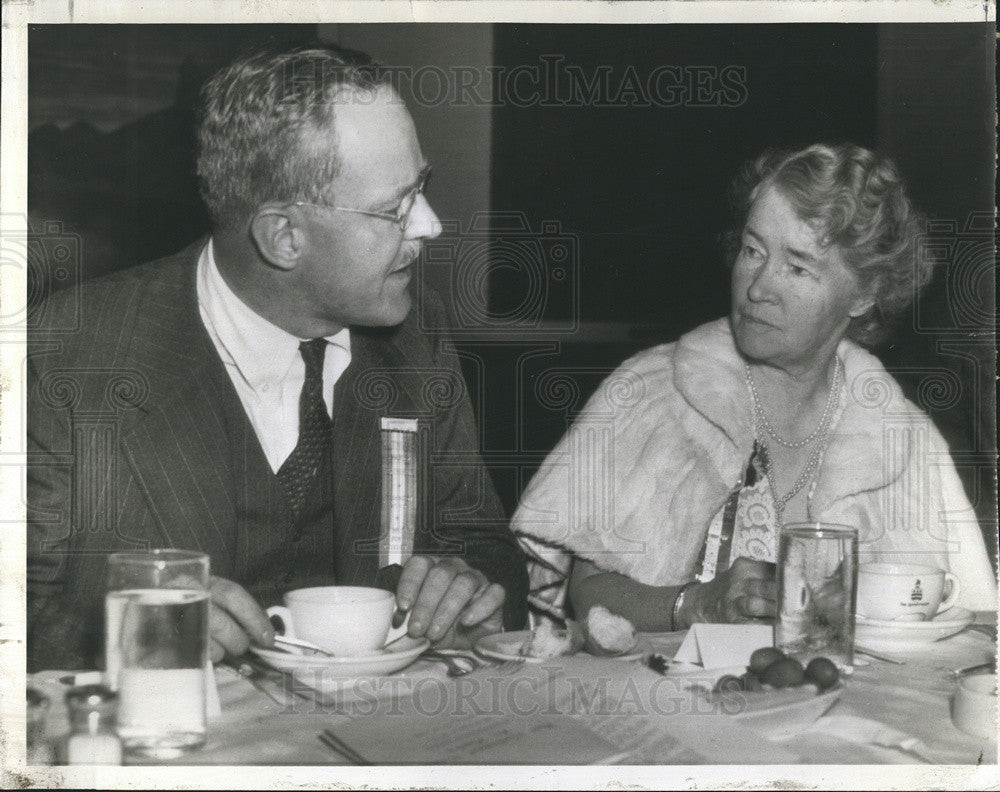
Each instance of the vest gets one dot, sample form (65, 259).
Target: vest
(335, 540)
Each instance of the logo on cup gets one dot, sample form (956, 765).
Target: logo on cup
(917, 594)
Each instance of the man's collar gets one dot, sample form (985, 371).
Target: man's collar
(260, 350)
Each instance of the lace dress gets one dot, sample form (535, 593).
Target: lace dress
(746, 526)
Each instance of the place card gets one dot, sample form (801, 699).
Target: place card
(723, 645)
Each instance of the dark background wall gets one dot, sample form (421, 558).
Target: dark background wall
(578, 230)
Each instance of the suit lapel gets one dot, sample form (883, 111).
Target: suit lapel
(177, 446)
(387, 373)
(357, 460)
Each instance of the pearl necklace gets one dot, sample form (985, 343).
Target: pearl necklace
(808, 472)
(824, 422)
(822, 431)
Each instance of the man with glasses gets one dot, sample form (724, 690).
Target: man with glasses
(246, 378)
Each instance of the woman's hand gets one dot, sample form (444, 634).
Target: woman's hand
(745, 592)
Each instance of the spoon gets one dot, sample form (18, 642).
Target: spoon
(285, 640)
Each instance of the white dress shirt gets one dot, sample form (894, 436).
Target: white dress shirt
(263, 361)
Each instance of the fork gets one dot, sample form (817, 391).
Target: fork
(456, 669)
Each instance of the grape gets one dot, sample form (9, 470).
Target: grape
(786, 672)
(823, 672)
(763, 657)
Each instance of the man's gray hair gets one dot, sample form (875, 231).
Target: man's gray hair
(255, 118)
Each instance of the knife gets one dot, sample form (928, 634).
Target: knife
(277, 685)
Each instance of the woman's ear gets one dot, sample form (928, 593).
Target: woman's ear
(862, 305)
(277, 237)
(865, 289)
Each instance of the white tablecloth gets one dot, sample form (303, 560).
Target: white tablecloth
(886, 714)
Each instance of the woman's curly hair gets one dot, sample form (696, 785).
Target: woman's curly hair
(856, 200)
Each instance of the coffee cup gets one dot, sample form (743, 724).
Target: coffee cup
(346, 621)
(974, 705)
(905, 592)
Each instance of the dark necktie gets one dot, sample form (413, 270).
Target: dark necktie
(299, 470)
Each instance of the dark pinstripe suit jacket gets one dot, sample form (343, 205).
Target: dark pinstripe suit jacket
(131, 445)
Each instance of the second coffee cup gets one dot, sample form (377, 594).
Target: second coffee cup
(905, 592)
(346, 621)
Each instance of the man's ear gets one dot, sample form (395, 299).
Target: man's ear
(277, 237)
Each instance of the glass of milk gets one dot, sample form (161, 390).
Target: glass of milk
(156, 649)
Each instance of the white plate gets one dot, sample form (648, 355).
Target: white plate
(778, 714)
(393, 658)
(878, 633)
(507, 646)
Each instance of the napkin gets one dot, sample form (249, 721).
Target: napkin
(723, 645)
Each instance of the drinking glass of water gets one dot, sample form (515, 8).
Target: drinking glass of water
(817, 572)
(156, 649)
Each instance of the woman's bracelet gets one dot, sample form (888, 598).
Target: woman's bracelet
(678, 601)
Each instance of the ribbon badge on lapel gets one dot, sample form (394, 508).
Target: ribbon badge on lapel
(402, 455)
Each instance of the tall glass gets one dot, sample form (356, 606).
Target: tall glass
(156, 649)
(817, 572)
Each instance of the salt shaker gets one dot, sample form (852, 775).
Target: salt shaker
(39, 749)
(92, 738)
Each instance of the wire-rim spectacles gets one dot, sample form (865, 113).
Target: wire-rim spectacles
(400, 217)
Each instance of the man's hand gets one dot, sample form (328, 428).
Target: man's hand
(235, 620)
(745, 592)
(449, 601)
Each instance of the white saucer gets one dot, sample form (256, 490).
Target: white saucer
(393, 658)
(507, 646)
(878, 633)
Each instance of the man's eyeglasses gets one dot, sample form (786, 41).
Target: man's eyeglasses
(401, 215)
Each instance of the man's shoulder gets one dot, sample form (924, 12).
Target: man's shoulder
(115, 299)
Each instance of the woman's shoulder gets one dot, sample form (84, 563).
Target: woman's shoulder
(655, 361)
(873, 389)
(710, 343)
(882, 433)
(637, 393)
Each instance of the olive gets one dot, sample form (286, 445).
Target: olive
(729, 684)
(763, 657)
(787, 672)
(751, 682)
(823, 672)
